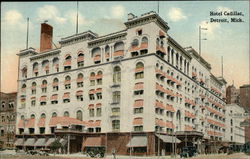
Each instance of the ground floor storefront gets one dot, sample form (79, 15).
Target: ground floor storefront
(129, 144)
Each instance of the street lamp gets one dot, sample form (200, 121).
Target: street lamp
(200, 28)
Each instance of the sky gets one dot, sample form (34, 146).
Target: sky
(230, 40)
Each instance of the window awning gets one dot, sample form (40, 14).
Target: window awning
(118, 53)
(78, 93)
(168, 139)
(63, 141)
(43, 98)
(138, 86)
(55, 84)
(98, 105)
(93, 142)
(138, 141)
(30, 123)
(80, 79)
(40, 142)
(67, 63)
(80, 58)
(41, 122)
(138, 121)
(54, 97)
(140, 69)
(138, 103)
(19, 142)
(66, 96)
(65, 121)
(29, 142)
(50, 141)
(98, 90)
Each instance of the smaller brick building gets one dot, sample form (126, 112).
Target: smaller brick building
(7, 119)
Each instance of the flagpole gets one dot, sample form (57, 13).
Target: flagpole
(27, 38)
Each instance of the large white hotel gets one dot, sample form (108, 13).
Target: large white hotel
(132, 88)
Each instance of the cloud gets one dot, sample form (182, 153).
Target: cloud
(50, 12)
(82, 21)
(13, 17)
(117, 11)
(175, 14)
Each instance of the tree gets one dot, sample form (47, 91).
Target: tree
(55, 146)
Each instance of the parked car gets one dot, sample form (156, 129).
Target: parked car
(188, 151)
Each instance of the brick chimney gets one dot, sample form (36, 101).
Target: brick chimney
(46, 37)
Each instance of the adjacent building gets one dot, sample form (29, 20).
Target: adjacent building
(245, 97)
(7, 119)
(233, 95)
(136, 91)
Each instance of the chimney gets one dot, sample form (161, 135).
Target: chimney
(46, 37)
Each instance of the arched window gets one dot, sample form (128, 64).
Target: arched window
(177, 59)
(92, 79)
(67, 82)
(172, 57)
(178, 115)
(56, 64)
(107, 52)
(118, 49)
(99, 78)
(55, 84)
(43, 115)
(144, 40)
(33, 88)
(24, 72)
(157, 42)
(44, 86)
(45, 66)
(135, 43)
(35, 69)
(117, 74)
(144, 45)
(54, 114)
(23, 87)
(79, 80)
(96, 54)
(139, 71)
(181, 62)
(79, 115)
(32, 116)
(66, 114)
(67, 62)
(80, 59)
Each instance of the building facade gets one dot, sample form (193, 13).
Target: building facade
(137, 88)
(8, 119)
(235, 134)
(233, 95)
(245, 97)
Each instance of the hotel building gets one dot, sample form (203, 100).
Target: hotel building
(137, 88)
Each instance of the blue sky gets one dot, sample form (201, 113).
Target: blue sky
(230, 40)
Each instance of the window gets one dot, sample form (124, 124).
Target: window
(138, 110)
(116, 97)
(67, 83)
(96, 55)
(55, 84)
(118, 49)
(54, 99)
(35, 69)
(54, 102)
(42, 130)
(44, 86)
(33, 102)
(66, 114)
(92, 79)
(139, 32)
(23, 88)
(23, 102)
(138, 92)
(79, 115)
(67, 63)
(116, 125)
(79, 97)
(45, 66)
(99, 112)
(91, 97)
(99, 78)
(33, 88)
(43, 103)
(117, 74)
(139, 70)
(99, 95)
(107, 52)
(24, 72)
(91, 112)
(80, 80)
(54, 114)
(66, 100)
(97, 129)
(56, 64)
(138, 128)
(80, 60)
(90, 129)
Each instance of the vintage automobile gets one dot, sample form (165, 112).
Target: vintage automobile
(188, 151)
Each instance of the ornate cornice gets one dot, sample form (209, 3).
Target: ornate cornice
(45, 54)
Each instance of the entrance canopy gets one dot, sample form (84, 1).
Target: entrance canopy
(169, 139)
(40, 142)
(29, 142)
(19, 142)
(93, 142)
(138, 141)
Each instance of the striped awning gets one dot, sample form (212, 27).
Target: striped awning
(66, 95)
(138, 103)
(19, 142)
(144, 45)
(80, 58)
(40, 142)
(29, 142)
(92, 91)
(119, 53)
(138, 86)
(41, 122)
(98, 105)
(54, 97)
(138, 141)
(43, 98)
(80, 92)
(141, 69)
(159, 104)
(93, 142)
(138, 121)
(91, 106)
(97, 58)
(169, 139)
(98, 90)
(67, 63)
(50, 141)
(30, 123)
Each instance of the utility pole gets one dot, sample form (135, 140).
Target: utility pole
(200, 28)
(27, 38)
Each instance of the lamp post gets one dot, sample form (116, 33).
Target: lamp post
(200, 28)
